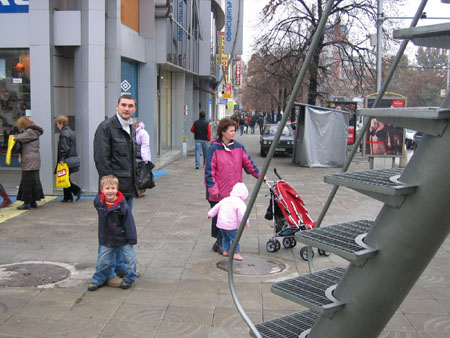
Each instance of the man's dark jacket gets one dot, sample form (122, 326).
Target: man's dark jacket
(200, 129)
(67, 146)
(115, 154)
(116, 225)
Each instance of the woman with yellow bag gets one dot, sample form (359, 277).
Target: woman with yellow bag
(30, 189)
(67, 153)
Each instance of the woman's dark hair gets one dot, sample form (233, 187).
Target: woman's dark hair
(224, 124)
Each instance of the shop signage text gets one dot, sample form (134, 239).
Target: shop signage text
(14, 6)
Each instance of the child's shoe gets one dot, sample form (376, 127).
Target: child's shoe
(93, 287)
(225, 253)
(238, 257)
(125, 285)
(114, 282)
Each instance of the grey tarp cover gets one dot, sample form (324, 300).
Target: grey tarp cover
(321, 141)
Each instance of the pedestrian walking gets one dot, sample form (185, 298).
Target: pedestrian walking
(116, 234)
(225, 160)
(30, 188)
(143, 142)
(67, 153)
(230, 212)
(202, 135)
(115, 154)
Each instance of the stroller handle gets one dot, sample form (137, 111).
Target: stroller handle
(275, 171)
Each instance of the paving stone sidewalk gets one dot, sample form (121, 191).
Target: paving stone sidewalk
(181, 292)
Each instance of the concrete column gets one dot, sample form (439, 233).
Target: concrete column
(90, 86)
(41, 73)
(113, 55)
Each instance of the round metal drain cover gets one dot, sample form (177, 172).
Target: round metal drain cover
(32, 274)
(253, 266)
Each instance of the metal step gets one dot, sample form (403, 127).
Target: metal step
(314, 291)
(437, 36)
(381, 184)
(291, 326)
(428, 120)
(345, 240)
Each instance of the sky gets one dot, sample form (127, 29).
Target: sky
(433, 9)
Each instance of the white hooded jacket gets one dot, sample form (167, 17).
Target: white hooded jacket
(230, 210)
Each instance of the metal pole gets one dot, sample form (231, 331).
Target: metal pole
(380, 20)
(298, 83)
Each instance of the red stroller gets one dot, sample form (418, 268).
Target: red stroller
(289, 215)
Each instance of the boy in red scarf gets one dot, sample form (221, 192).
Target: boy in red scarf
(116, 232)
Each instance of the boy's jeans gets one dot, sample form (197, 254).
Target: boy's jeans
(121, 267)
(104, 269)
(200, 144)
(228, 237)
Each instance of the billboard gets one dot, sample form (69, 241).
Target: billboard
(384, 139)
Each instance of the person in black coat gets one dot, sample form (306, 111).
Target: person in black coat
(115, 148)
(67, 152)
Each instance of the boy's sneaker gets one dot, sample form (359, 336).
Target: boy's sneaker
(125, 285)
(114, 282)
(93, 287)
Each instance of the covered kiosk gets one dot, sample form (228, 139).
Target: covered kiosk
(321, 137)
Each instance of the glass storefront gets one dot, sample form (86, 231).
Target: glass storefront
(14, 95)
(165, 113)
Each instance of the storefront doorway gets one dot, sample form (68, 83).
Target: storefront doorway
(129, 80)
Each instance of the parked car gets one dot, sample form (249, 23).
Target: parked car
(409, 138)
(418, 136)
(287, 139)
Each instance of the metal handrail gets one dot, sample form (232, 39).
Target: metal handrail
(299, 81)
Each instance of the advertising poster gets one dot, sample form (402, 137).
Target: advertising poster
(384, 139)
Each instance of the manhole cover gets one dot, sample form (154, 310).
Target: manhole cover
(32, 274)
(253, 266)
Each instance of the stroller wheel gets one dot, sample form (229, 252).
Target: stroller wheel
(278, 245)
(271, 245)
(304, 253)
(293, 242)
(323, 252)
(287, 242)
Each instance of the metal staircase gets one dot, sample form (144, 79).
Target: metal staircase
(386, 256)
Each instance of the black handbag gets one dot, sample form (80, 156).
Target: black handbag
(145, 178)
(72, 162)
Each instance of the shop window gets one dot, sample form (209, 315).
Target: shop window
(14, 94)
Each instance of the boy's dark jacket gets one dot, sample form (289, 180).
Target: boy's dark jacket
(115, 225)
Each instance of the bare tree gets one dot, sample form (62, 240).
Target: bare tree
(343, 61)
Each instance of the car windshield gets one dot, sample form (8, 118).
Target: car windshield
(271, 130)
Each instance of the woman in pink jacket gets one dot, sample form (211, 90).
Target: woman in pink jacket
(230, 212)
(225, 160)
(143, 140)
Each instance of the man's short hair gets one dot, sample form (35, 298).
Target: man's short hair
(202, 114)
(127, 97)
(109, 179)
(63, 119)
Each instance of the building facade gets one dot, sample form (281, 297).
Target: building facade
(76, 57)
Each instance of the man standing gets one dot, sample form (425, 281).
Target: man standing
(202, 135)
(115, 148)
(115, 154)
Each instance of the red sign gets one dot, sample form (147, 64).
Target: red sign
(237, 75)
(398, 103)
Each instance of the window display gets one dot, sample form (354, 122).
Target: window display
(14, 94)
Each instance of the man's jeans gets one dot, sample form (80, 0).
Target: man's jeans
(104, 270)
(228, 237)
(200, 144)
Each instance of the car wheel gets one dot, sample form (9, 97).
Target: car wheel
(263, 152)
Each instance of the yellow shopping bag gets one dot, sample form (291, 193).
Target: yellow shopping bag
(11, 143)
(62, 176)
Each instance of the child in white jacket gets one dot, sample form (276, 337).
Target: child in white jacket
(230, 212)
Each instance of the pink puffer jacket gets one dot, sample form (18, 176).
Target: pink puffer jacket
(230, 210)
